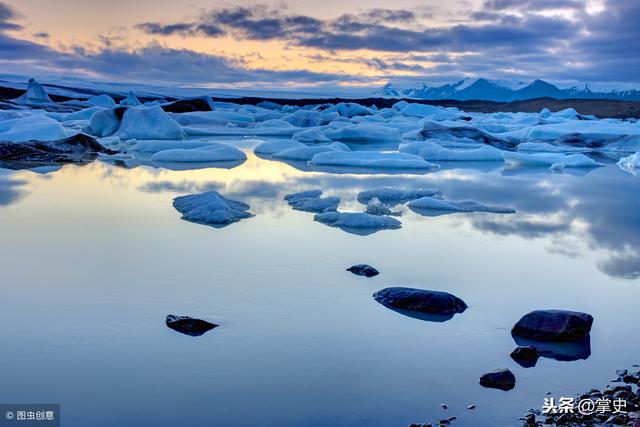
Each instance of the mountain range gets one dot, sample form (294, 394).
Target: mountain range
(488, 90)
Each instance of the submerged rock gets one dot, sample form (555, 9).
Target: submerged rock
(502, 379)
(363, 270)
(525, 356)
(188, 325)
(211, 208)
(554, 325)
(421, 300)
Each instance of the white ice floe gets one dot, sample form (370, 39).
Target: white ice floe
(552, 160)
(131, 100)
(210, 153)
(104, 123)
(211, 208)
(37, 127)
(214, 118)
(544, 147)
(348, 109)
(306, 118)
(306, 153)
(630, 164)
(364, 133)
(557, 130)
(371, 159)
(270, 147)
(157, 145)
(34, 95)
(376, 207)
(311, 135)
(357, 221)
(433, 204)
(148, 123)
(393, 196)
(431, 151)
(311, 201)
(103, 100)
(430, 111)
(275, 123)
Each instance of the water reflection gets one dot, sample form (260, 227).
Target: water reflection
(561, 351)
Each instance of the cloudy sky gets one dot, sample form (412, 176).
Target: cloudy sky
(307, 43)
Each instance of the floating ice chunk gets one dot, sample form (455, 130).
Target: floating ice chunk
(131, 100)
(310, 201)
(393, 196)
(157, 145)
(210, 153)
(549, 160)
(269, 105)
(37, 127)
(544, 147)
(211, 208)
(630, 164)
(357, 222)
(306, 118)
(400, 105)
(34, 95)
(148, 123)
(306, 153)
(435, 130)
(104, 123)
(274, 123)
(103, 100)
(376, 207)
(432, 151)
(214, 118)
(364, 133)
(424, 110)
(311, 135)
(557, 130)
(271, 147)
(371, 159)
(433, 204)
(348, 109)
(545, 113)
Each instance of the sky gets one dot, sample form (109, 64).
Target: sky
(328, 43)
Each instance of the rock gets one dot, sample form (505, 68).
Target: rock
(502, 379)
(443, 406)
(363, 270)
(188, 325)
(472, 406)
(525, 356)
(420, 300)
(554, 325)
(189, 105)
(74, 149)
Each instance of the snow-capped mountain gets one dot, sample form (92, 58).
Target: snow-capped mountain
(492, 90)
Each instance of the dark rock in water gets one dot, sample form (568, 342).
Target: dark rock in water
(420, 300)
(553, 325)
(189, 326)
(525, 356)
(79, 148)
(363, 270)
(564, 351)
(188, 105)
(502, 379)
(435, 130)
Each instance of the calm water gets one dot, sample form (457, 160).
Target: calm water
(93, 258)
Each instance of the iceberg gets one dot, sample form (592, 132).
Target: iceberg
(34, 95)
(348, 109)
(545, 147)
(271, 147)
(425, 110)
(211, 153)
(432, 151)
(104, 123)
(310, 201)
(148, 123)
(358, 222)
(214, 118)
(156, 145)
(131, 100)
(630, 164)
(550, 160)
(394, 196)
(364, 133)
(306, 118)
(311, 135)
(376, 207)
(211, 208)
(103, 100)
(371, 159)
(439, 205)
(37, 127)
(307, 153)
